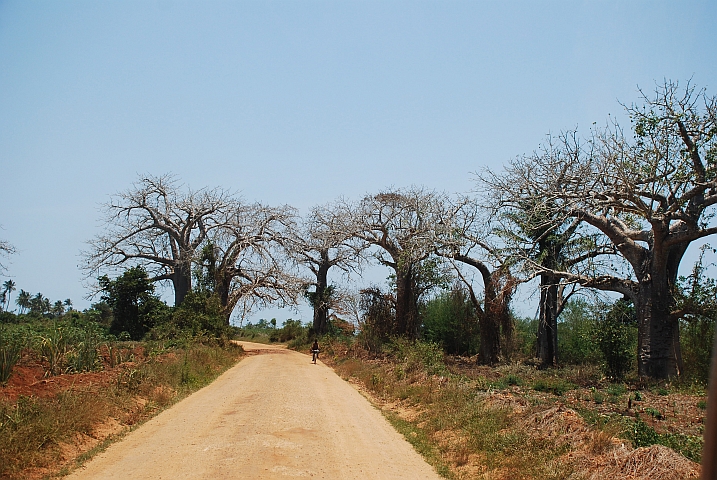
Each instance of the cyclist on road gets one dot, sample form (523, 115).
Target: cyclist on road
(315, 351)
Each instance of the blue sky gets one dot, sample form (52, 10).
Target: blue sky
(300, 102)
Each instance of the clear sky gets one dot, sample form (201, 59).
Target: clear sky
(298, 103)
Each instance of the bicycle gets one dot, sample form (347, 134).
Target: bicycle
(314, 355)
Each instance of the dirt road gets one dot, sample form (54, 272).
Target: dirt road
(274, 415)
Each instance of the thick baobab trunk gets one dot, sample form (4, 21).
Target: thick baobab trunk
(406, 307)
(182, 282)
(489, 348)
(320, 301)
(547, 344)
(658, 349)
(658, 333)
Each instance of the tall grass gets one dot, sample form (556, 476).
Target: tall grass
(11, 346)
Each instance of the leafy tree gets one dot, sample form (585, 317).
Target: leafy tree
(8, 288)
(39, 305)
(615, 337)
(134, 305)
(23, 300)
(450, 320)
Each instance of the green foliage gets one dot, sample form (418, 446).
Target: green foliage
(135, 308)
(417, 356)
(576, 334)
(291, 330)
(449, 320)
(11, 345)
(200, 314)
(643, 435)
(524, 336)
(616, 337)
(697, 297)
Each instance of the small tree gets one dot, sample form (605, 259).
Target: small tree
(131, 297)
(450, 320)
(616, 338)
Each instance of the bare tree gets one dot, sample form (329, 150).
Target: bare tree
(464, 235)
(651, 194)
(320, 246)
(533, 231)
(249, 258)
(399, 222)
(6, 249)
(159, 224)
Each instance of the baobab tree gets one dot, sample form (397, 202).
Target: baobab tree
(464, 235)
(320, 245)
(247, 258)
(651, 194)
(159, 224)
(532, 232)
(400, 223)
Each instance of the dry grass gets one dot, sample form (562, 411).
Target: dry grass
(511, 422)
(40, 436)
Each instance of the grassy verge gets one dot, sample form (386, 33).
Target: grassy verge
(35, 433)
(509, 422)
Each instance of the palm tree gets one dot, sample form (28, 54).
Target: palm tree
(23, 300)
(9, 286)
(58, 308)
(68, 305)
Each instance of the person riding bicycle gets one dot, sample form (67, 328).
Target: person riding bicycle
(315, 351)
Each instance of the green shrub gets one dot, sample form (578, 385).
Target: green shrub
(418, 356)
(556, 386)
(616, 337)
(291, 330)
(576, 327)
(449, 320)
(11, 345)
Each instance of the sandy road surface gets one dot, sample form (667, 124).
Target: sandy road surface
(274, 415)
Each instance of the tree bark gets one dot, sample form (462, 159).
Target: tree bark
(321, 304)
(547, 344)
(182, 282)
(406, 307)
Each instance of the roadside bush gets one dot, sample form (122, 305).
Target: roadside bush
(616, 337)
(696, 337)
(378, 319)
(291, 330)
(449, 320)
(576, 334)
(200, 314)
(418, 355)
